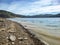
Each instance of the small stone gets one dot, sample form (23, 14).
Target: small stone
(21, 38)
(25, 38)
(12, 38)
(12, 31)
(7, 37)
(12, 42)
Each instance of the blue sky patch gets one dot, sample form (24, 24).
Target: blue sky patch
(31, 7)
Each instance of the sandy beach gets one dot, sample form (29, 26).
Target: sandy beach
(42, 34)
(13, 33)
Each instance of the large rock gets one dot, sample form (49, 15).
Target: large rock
(12, 38)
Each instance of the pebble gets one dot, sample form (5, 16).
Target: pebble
(12, 31)
(12, 42)
(20, 38)
(25, 38)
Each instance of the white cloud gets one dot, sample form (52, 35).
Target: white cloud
(37, 7)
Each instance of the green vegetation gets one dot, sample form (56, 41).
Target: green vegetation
(7, 14)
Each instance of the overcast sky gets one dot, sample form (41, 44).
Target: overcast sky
(31, 7)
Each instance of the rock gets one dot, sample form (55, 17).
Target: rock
(25, 38)
(21, 38)
(12, 42)
(7, 37)
(12, 37)
(12, 31)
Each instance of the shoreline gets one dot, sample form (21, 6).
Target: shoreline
(15, 33)
(40, 34)
(32, 35)
(24, 26)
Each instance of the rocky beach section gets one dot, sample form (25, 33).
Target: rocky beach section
(13, 33)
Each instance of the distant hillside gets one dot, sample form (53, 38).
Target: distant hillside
(7, 14)
(45, 16)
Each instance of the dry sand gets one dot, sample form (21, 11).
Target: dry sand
(42, 34)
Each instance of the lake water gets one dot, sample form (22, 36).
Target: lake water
(52, 24)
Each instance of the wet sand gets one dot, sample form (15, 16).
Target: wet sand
(42, 34)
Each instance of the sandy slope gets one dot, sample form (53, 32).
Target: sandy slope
(42, 34)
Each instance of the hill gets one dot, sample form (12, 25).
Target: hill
(44, 16)
(7, 14)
